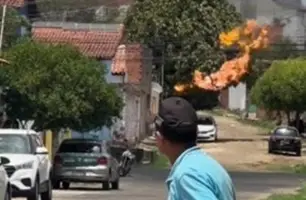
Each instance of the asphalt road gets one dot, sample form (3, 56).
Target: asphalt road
(145, 184)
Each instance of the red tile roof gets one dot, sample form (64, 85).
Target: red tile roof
(129, 60)
(13, 3)
(94, 43)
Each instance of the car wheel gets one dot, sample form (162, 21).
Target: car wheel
(105, 185)
(34, 194)
(298, 152)
(115, 185)
(8, 195)
(47, 195)
(56, 184)
(270, 150)
(66, 185)
(216, 138)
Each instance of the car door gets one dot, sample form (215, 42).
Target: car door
(113, 163)
(43, 160)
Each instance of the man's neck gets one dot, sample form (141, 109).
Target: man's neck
(177, 151)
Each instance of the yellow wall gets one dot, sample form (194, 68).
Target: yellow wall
(48, 142)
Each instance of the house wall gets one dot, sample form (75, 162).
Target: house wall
(132, 119)
(155, 97)
(237, 97)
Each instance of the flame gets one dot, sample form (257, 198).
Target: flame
(247, 38)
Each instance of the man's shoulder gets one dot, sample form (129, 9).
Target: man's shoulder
(200, 164)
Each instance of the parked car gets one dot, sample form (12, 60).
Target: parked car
(85, 160)
(29, 167)
(207, 129)
(5, 187)
(285, 138)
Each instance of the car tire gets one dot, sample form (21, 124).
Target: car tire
(105, 185)
(47, 195)
(56, 185)
(8, 194)
(115, 185)
(270, 150)
(298, 152)
(66, 185)
(34, 194)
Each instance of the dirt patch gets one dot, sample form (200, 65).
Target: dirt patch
(244, 147)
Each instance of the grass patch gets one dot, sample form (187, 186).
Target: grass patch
(265, 124)
(297, 168)
(300, 195)
(160, 161)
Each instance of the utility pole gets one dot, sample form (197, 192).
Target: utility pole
(163, 71)
(2, 26)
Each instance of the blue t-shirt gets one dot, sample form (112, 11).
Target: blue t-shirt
(197, 176)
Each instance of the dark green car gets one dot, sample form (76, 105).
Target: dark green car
(85, 161)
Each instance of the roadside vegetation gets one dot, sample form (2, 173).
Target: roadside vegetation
(282, 88)
(63, 90)
(160, 161)
(265, 124)
(290, 168)
(299, 195)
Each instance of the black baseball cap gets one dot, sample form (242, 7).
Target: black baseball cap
(177, 120)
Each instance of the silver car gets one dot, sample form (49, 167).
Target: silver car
(85, 161)
(5, 188)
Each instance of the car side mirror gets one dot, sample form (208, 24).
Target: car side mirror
(4, 161)
(41, 151)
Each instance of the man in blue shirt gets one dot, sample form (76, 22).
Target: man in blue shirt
(194, 174)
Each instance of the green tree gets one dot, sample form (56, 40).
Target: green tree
(182, 34)
(262, 60)
(57, 86)
(282, 87)
(13, 22)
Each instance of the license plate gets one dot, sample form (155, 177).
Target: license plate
(78, 174)
(284, 142)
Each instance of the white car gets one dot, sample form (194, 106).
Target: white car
(29, 167)
(207, 129)
(5, 188)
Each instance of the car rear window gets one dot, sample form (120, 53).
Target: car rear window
(206, 121)
(286, 132)
(80, 147)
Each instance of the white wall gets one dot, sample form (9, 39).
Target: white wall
(237, 97)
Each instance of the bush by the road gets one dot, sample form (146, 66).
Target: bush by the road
(282, 87)
(300, 195)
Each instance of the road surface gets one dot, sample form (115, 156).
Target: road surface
(148, 185)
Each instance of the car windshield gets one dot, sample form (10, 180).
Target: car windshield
(286, 132)
(14, 143)
(80, 147)
(206, 121)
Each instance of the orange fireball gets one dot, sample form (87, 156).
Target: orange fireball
(248, 38)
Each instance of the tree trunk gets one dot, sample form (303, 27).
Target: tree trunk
(278, 117)
(297, 119)
(288, 117)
